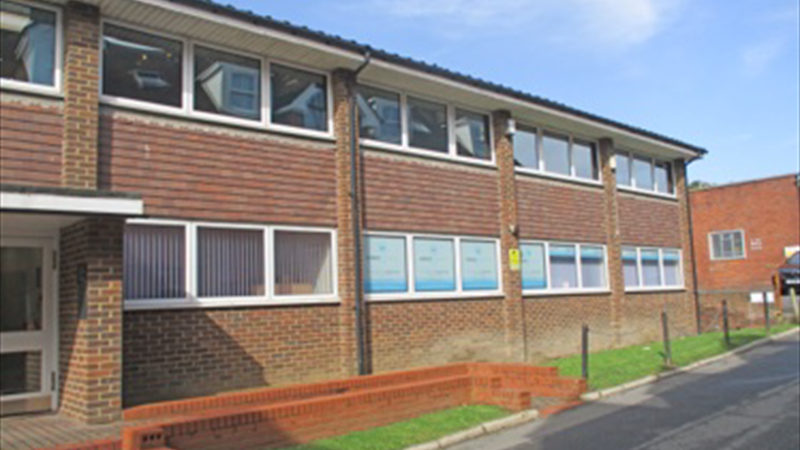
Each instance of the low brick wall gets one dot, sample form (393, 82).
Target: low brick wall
(741, 312)
(280, 417)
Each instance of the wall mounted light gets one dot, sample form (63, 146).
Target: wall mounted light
(511, 127)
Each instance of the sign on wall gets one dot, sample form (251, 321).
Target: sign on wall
(533, 267)
(478, 266)
(385, 268)
(434, 265)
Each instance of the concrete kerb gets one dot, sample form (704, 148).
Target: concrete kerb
(597, 395)
(486, 428)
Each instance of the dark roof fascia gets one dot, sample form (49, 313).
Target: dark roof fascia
(356, 47)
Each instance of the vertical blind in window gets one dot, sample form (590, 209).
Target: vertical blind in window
(630, 267)
(230, 262)
(154, 266)
(593, 267)
(727, 245)
(651, 270)
(672, 265)
(303, 263)
(563, 267)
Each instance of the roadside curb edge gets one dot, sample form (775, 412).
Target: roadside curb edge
(597, 395)
(480, 430)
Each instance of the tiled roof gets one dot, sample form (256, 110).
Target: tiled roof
(354, 46)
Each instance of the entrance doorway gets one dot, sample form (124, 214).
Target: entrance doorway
(27, 326)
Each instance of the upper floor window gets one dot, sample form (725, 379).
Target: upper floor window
(28, 44)
(556, 154)
(227, 84)
(141, 66)
(644, 173)
(379, 115)
(415, 123)
(727, 244)
(299, 98)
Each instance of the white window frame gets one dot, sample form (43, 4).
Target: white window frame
(663, 287)
(571, 137)
(452, 148)
(192, 300)
(58, 63)
(721, 234)
(187, 110)
(653, 161)
(549, 290)
(459, 292)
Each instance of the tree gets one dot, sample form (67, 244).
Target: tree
(697, 185)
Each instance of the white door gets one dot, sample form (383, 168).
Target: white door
(27, 326)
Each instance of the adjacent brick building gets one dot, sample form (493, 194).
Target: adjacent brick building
(743, 232)
(195, 210)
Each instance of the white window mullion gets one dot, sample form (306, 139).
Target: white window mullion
(457, 253)
(410, 263)
(188, 76)
(570, 159)
(269, 262)
(579, 265)
(191, 262)
(404, 119)
(547, 264)
(540, 150)
(661, 266)
(451, 131)
(265, 91)
(639, 266)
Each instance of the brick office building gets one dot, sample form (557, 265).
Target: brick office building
(743, 232)
(182, 215)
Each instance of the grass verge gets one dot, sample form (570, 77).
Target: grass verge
(411, 432)
(615, 367)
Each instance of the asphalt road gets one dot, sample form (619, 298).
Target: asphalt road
(750, 401)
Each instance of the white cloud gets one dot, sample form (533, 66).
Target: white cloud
(583, 23)
(757, 58)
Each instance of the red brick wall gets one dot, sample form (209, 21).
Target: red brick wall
(173, 354)
(767, 210)
(427, 333)
(555, 210)
(417, 195)
(641, 316)
(649, 221)
(185, 170)
(30, 142)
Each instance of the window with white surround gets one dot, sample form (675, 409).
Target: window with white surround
(30, 46)
(727, 244)
(227, 84)
(642, 173)
(298, 98)
(406, 266)
(396, 120)
(174, 264)
(543, 152)
(149, 70)
(555, 267)
(142, 67)
(652, 268)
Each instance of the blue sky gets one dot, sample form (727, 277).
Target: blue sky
(717, 73)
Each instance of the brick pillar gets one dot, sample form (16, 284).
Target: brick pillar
(90, 344)
(686, 243)
(81, 93)
(343, 83)
(614, 243)
(513, 310)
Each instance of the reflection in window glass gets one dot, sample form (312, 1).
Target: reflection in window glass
(472, 135)
(21, 289)
(651, 271)
(525, 151)
(434, 265)
(727, 245)
(142, 66)
(663, 178)
(534, 275)
(427, 125)
(593, 267)
(478, 266)
(154, 266)
(227, 84)
(623, 169)
(672, 264)
(299, 98)
(303, 263)
(27, 43)
(555, 154)
(230, 262)
(630, 267)
(385, 265)
(563, 267)
(22, 373)
(379, 115)
(584, 160)
(642, 173)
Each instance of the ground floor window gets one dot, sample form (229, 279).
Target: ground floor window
(176, 263)
(398, 266)
(563, 267)
(652, 268)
